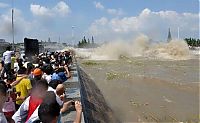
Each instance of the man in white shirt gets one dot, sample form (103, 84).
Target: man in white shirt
(7, 61)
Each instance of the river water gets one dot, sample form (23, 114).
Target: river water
(146, 82)
(140, 89)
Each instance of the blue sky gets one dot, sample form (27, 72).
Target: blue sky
(107, 20)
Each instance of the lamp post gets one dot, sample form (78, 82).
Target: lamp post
(178, 34)
(13, 35)
(73, 35)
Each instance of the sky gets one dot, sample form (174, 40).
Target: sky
(106, 20)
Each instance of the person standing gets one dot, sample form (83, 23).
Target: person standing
(3, 97)
(1, 70)
(13, 59)
(23, 88)
(7, 61)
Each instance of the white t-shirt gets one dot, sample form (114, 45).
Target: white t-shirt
(47, 77)
(21, 114)
(7, 56)
(16, 67)
(2, 118)
(59, 101)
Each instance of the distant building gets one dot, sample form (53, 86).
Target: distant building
(51, 46)
(169, 38)
(3, 45)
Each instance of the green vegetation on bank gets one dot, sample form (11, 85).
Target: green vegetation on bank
(90, 63)
(192, 42)
(87, 43)
(116, 75)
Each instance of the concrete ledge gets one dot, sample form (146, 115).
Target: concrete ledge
(74, 73)
(73, 93)
(73, 68)
(70, 116)
(72, 82)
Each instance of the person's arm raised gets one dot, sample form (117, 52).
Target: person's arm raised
(78, 107)
(66, 106)
(17, 81)
(67, 70)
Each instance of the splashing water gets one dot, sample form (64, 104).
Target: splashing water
(139, 47)
(174, 50)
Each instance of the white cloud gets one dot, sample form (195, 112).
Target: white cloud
(153, 24)
(3, 5)
(110, 11)
(98, 5)
(115, 11)
(40, 10)
(61, 9)
(44, 20)
(21, 26)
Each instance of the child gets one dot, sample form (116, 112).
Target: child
(3, 97)
(9, 107)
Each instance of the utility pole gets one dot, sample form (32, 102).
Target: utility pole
(73, 35)
(169, 37)
(178, 33)
(13, 35)
(59, 40)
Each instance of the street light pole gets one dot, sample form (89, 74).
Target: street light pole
(73, 35)
(178, 34)
(13, 35)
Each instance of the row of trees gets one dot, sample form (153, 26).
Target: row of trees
(193, 42)
(87, 43)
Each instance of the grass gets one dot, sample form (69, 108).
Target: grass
(90, 63)
(114, 75)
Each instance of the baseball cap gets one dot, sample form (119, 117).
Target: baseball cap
(37, 72)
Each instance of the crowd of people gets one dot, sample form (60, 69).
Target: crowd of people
(33, 92)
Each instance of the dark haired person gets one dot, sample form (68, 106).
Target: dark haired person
(23, 88)
(3, 97)
(9, 105)
(1, 70)
(54, 83)
(48, 71)
(37, 75)
(7, 60)
(28, 111)
(13, 59)
(30, 69)
(49, 110)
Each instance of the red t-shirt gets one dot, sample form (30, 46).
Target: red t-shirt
(34, 102)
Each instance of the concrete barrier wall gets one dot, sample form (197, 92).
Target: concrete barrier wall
(95, 108)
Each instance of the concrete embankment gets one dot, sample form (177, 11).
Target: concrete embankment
(95, 107)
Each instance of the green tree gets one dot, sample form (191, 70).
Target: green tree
(192, 42)
(84, 40)
(92, 40)
(88, 41)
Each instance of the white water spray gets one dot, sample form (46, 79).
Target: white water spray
(139, 47)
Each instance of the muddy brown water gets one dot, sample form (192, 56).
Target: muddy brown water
(140, 89)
